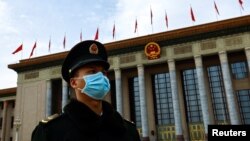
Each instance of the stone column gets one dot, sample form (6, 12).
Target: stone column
(175, 97)
(118, 89)
(202, 92)
(49, 98)
(143, 103)
(232, 106)
(247, 52)
(5, 106)
(64, 93)
(17, 124)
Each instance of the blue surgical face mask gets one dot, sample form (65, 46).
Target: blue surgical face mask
(96, 86)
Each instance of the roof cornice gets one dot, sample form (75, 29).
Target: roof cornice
(8, 91)
(137, 43)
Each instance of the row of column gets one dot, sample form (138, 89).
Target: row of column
(234, 118)
(143, 106)
(143, 102)
(232, 107)
(4, 119)
(49, 96)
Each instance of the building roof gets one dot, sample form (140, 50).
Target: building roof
(8, 91)
(193, 33)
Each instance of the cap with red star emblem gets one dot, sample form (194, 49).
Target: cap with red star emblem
(85, 52)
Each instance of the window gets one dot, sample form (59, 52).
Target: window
(1, 124)
(13, 103)
(163, 99)
(192, 98)
(244, 103)
(218, 94)
(113, 93)
(56, 96)
(239, 70)
(134, 98)
(1, 104)
(12, 122)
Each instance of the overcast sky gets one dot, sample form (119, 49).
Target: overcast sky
(29, 21)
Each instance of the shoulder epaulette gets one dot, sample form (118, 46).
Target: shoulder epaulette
(50, 118)
(129, 121)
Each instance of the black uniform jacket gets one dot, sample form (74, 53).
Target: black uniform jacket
(79, 123)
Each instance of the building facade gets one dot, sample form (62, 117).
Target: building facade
(172, 85)
(7, 109)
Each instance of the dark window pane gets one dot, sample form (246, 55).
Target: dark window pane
(244, 102)
(135, 101)
(239, 70)
(163, 99)
(218, 94)
(192, 97)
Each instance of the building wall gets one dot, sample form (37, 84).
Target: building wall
(7, 118)
(31, 98)
(183, 55)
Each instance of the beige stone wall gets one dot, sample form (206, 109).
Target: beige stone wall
(8, 130)
(31, 98)
(184, 54)
(31, 91)
(184, 51)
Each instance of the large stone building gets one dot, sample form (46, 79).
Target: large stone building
(171, 84)
(7, 106)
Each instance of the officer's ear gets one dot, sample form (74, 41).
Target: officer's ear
(73, 83)
(72, 79)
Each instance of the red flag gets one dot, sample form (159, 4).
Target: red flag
(81, 36)
(31, 54)
(18, 49)
(192, 14)
(216, 9)
(241, 4)
(97, 34)
(114, 31)
(151, 16)
(49, 44)
(64, 41)
(135, 25)
(166, 19)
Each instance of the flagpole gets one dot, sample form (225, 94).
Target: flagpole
(137, 30)
(64, 41)
(152, 29)
(216, 10)
(151, 16)
(191, 12)
(240, 10)
(166, 19)
(50, 44)
(241, 6)
(22, 51)
(136, 27)
(81, 35)
(36, 47)
(216, 16)
(114, 35)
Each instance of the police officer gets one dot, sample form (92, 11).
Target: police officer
(87, 117)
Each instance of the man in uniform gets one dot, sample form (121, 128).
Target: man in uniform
(87, 117)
